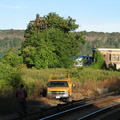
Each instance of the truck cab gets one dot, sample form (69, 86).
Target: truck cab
(59, 87)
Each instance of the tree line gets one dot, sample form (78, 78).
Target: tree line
(53, 47)
(101, 39)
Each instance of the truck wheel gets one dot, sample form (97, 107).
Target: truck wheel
(69, 99)
(63, 99)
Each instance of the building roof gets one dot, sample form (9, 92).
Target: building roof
(106, 49)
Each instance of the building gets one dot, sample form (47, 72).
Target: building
(111, 56)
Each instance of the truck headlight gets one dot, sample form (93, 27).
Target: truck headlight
(66, 92)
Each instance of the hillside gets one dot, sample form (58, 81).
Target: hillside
(11, 34)
(100, 39)
(13, 39)
(92, 36)
(10, 39)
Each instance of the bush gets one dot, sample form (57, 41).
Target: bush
(99, 62)
(9, 77)
(15, 80)
(11, 58)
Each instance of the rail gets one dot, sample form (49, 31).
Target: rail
(92, 115)
(87, 117)
(62, 107)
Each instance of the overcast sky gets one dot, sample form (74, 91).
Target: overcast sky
(91, 15)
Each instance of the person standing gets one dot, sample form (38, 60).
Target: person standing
(21, 94)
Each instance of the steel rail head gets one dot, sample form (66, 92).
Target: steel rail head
(78, 107)
(91, 115)
(72, 103)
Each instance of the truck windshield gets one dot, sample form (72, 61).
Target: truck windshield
(58, 84)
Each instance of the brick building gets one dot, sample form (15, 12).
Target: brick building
(111, 55)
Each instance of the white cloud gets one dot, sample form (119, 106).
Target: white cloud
(12, 7)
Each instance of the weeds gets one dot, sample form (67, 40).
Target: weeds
(87, 81)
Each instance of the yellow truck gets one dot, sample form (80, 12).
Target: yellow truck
(59, 87)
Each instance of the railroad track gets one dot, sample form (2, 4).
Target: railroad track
(87, 111)
(75, 110)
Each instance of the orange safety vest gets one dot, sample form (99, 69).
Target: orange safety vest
(21, 93)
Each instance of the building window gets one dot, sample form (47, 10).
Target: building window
(109, 57)
(117, 57)
(114, 57)
(104, 55)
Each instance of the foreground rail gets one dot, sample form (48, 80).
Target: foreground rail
(76, 112)
(60, 108)
(101, 111)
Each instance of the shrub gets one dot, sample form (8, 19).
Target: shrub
(99, 62)
(15, 79)
(11, 58)
(9, 76)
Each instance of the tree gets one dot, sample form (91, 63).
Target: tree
(52, 47)
(99, 61)
(9, 77)
(11, 58)
(55, 21)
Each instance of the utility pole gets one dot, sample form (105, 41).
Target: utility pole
(40, 24)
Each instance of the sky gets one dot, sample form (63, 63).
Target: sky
(91, 15)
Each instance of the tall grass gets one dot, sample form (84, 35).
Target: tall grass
(87, 81)
(83, 77)
(34, 79)
(41, 76)
(89, 74)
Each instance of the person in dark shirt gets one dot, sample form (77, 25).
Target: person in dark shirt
(21, 94)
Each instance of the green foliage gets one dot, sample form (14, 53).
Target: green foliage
(15, 79)
(55, 21)
(8, 43)
(31, 88)
(33, 79)
(5, 70)
(11, 58)
(76, 73)
(93, 75)
(99, 61)
(9, 77)
(28, 55)
(53, 47)
(80, 74)
(14, 38)
(100, 39)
